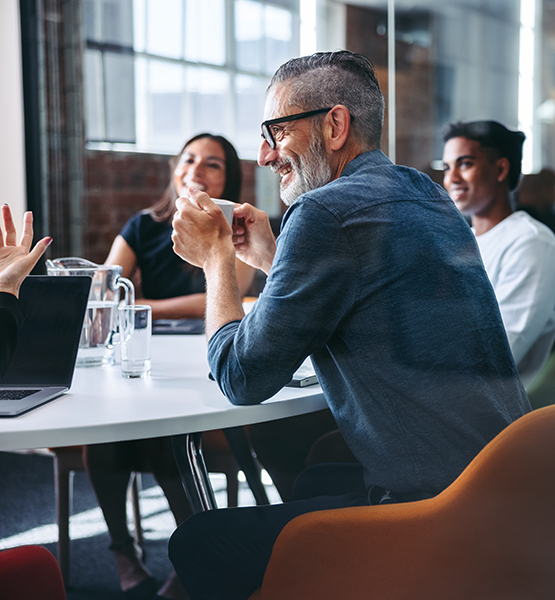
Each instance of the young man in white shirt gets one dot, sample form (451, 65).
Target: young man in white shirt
(482, 163)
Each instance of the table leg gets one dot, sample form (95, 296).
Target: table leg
(187, 450)
(242, 451)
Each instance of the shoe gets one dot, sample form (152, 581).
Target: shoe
(143, 591)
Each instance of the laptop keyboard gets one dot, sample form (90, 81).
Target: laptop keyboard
(16, 394)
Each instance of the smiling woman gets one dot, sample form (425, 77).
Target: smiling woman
(173, 288)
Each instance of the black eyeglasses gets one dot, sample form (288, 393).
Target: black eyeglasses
(267, 132)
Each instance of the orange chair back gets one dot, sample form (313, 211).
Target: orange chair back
(490, 535)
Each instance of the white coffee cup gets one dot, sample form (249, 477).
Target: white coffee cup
(226, 205)
(227, 208)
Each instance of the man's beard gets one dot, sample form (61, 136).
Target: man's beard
(311, 171)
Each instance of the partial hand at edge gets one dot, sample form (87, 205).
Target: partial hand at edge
(253, 238)
(17, 260)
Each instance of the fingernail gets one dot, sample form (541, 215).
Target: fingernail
(49, 241)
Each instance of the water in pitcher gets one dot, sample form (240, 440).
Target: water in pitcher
(96, 345)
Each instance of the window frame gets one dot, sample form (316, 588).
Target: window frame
(260, 78)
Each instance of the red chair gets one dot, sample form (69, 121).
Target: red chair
(30, 573)
(489, 536)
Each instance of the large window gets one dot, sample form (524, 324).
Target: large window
(159, 71)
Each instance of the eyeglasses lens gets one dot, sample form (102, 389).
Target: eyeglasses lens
(267, 135)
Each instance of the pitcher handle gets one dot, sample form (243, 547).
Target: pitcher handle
(128, 288)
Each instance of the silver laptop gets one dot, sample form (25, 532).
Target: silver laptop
(43, 364)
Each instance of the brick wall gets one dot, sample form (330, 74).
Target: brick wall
(414, 84)
(118, 184)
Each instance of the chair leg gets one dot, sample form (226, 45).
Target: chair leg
(243, 453)
(192, 469)
(63, 479)
(66, 462)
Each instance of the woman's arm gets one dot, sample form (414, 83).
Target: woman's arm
(122, 254)
(16, 262)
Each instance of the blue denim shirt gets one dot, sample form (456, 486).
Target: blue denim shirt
(378, 277)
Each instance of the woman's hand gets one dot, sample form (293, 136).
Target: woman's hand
(16, 260)
(253, 238)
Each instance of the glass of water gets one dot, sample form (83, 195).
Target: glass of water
(135, 332)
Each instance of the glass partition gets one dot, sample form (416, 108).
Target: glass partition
(454, 60)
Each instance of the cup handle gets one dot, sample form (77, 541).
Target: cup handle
(128, 288)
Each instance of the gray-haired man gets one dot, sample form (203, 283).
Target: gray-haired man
(377, 277)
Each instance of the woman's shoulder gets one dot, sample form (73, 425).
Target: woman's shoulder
(142, 228)
(143, 223)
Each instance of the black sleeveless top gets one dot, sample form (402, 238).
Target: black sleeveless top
(164, 274)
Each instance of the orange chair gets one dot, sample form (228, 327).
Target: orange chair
(488, 536)
(30, 573)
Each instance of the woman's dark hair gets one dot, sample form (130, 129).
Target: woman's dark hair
(163, 209)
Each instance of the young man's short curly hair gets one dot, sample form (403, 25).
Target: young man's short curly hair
(491, 134)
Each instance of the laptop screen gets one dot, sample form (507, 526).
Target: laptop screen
(48, 340)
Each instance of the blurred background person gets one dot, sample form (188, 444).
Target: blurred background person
(175, 290)
(482, 165)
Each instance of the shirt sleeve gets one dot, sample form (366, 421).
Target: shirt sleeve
(311, 285)
(11, 318)
(131, 232)
(525, 291)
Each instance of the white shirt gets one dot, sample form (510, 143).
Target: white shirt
(519, 256)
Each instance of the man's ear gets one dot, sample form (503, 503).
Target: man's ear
(337, 126)
(503, 167)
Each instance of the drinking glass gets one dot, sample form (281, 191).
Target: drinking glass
(135, 332)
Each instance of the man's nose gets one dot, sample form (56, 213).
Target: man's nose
(266, 156)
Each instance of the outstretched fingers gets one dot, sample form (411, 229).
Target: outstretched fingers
(27, 235)
(9, 227)
(39, 249)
